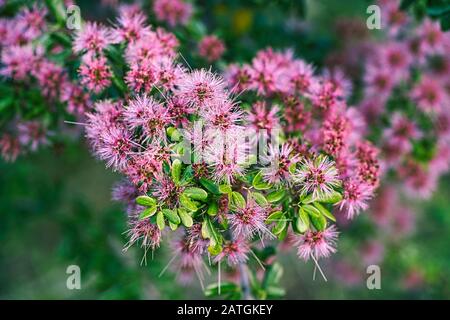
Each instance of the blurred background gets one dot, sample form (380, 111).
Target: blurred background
(56, 208)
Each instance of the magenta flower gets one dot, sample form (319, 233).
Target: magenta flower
(32, 134)
(301, 76)
(296, 116)
(130, 27)
(234, 252)
(144, 231)
(78, 101)
(279, 162)
(317, 244)
(335, 134)
(9, 147)
(202, 88)
(115, 147)
(12, 60)
(355, 197)
(317, 176)
(263, 118)
(146, 113)
(141, 77)
(174, 12)
(211, 48)
(95, 73)
(249, 221)
(167, 192)
(433, 38)
(429, 94)
(93, 38)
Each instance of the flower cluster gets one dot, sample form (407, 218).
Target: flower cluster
(24, 62)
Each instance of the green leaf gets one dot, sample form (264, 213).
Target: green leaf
(160, 220)
(147, 213)
(324, 211)
(186, 219)
(210, 232)
(173, 226)
(187, 176)
(171, 215)
(260, 199)
(210, 186)
(332, 198)
(213, 208)
(275, 216)
(279, 226)
(275, 292)
(258, 182)
(312, 211)
(238, 199)
(225, 189)
(276, 195)
(188, 203)
(173, 134)
(196, 193)
(225, 288)
(301, 222)
(176, 170)
(146, 201)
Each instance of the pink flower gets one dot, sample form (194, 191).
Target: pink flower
(396, 57)
(9, 147)
(335, 132)
(32, 134)
(355, 197)
(433, 37)
(429, 94)
(142, 170)
(130, 28)
(52, 79)
(115, 147)
(249, 221)
(279, 162)
(195, 239)
(267, 77)
(235, 252)
(77, 100)
(146, 232)
(368, 168)
(379, 82)
(146, 113)
(12, 59)
(211, 48)
(301, 76)
(222, 115)
(34, 20)
(238, 78)
(202, 88)
(317, 176)
(326, 96)
(95, 73)
(174, 12)
(167, 192)
(93, 38)
(179, 110)
(141, 77)
(295, 114)
(317, 244)
(263, 118)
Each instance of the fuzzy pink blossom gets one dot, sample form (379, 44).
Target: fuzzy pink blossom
(77, 100)
(9, 147)
(130, 28)
(355, 197)
(238, 78)
(52, 79)
(249, 221)
(12, 59)
(279, 162)
(434, 39)
(317, 244)
(262, 117)
(211, 48)
(301, 76)
(32, 134)
(429, 94)
(93, 37)
(174, 12)
(295, 114)
(202, 88)
(115, 147)
(141, 77)
(146, 232)
(146, 113)
(234, 252)
(318, 176)
(95, 73)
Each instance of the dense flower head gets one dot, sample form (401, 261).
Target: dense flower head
(317, 244)
(173, 12)
(95, 73)
(211, 48)
(249, 221)
(92, 38)
(355, 198)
